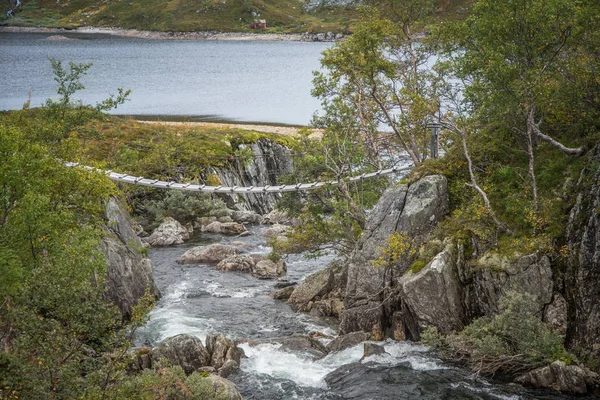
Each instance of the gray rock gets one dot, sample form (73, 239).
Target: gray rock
(433, 297)
(496, 275)
(225, 228)
(223, 389)
(277, 217)
(128, 273)
(210, 370)
(168, 233)
(267, 269)
(296, 343)
(240, 262)
(344, 342)
(583, 265)
(555, 313)
(371, 349)
(183, 350)
(283, 294)
(314, 285)
(281, 285)
(228, 368)
(246, 217)
(213, 253)
(275, 231)
(235, 353)
(563, 378)
(219, 347)
(271, 160)
(413, 210)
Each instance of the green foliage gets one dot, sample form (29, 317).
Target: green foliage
(169, 383)
(184, 207)
(514, 341)
(60, 337)
(399, 246)
(332, 215)
(67, 113)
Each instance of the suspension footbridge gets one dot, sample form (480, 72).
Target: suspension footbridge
(137, 180)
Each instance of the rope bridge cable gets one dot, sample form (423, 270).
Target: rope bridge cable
(125, 178)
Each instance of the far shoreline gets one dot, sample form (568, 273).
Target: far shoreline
(199, 35)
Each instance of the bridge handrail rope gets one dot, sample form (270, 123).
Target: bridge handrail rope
(135, 180)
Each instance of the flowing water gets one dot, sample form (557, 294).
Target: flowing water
(200, 300)
(223, 80)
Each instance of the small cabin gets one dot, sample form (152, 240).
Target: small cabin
(262, 24)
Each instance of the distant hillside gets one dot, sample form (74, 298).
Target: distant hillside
(282, 16)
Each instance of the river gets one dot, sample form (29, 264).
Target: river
(252, 82)
(208, 80)
(200, 300)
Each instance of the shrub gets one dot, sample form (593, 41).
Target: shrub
(185, 207)
(512, 342)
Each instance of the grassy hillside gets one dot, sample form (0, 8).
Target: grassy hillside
(197, 15)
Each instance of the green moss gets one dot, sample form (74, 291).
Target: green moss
(417, 266)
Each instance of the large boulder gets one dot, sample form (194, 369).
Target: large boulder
(212, 253)
(267, 269)
(225, 228)
(498, 274)
(246, 217)
(168, 233)
(432, 297)
(582, 274)
(239, 262)
(414, 210)
(129, 272)
(183, 350)
(344, 342)
(311, 287)
(563, 378)
(275, 231)
(223, 389)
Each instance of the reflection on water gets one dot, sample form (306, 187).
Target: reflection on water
(226, 80)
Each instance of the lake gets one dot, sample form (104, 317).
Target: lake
(211, 80)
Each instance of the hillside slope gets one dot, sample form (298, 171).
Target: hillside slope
(282, 16)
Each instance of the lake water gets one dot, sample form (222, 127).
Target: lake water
(224, 80)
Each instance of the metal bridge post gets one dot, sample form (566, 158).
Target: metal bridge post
(434, 141)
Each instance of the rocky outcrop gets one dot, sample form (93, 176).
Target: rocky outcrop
(270, 161)
(220, 355)
(225, 228)
(129, 272)
(170, 232)
(432, 297)
(555, 313)
(563, 378)
(312, 288)
(183, 350)
(411, 209)
(213, 253)
(582, 275)
(498, 274)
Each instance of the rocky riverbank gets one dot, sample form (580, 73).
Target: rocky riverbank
(201, 35)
